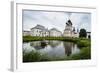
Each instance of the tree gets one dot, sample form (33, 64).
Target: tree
(82, 33)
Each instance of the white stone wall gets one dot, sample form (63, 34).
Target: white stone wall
(38, 32)
(67, 34)
(35, 32)
(26, 33)
(88, 35)
(55, 33)
(68, 31)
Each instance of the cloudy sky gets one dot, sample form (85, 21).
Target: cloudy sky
(56, 19)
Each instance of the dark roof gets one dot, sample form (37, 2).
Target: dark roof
(69, 22)
(38, 27)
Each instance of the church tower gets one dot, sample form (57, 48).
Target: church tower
(68, 29)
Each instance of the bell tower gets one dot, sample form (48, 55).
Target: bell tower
(68, 29)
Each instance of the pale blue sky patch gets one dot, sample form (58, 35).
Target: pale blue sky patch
(55, 19)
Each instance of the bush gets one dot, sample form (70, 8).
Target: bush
(34, 57)
(82, 33)
(85, 53)
(31, 56)
(83, 43)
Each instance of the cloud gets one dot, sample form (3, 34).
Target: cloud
(55, 19)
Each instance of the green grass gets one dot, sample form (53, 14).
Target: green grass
(30, 38)
(85, 53)
(34, 57)
(83, 43)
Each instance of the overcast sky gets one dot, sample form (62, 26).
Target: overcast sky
(56, 19)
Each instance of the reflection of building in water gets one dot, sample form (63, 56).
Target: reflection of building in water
(54, 43)
(68, 48)
(37, 45)
(75, 49)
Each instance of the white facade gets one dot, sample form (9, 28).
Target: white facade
(75, 35)
(39, 31)
(88, 34)
(68, 29)
(26, 33)
(55, 33)
(35, 32)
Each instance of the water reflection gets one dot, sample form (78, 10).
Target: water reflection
(53, 48)
(36, 45)
(68, 47)
(54, 44)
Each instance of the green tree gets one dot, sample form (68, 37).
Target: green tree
(82, 33)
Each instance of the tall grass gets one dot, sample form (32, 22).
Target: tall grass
(31, 38)
(83, 43)
(85, 53)
(34, 56)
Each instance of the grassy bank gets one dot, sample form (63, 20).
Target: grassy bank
(85, 53)
(30, 38)
(81, 42)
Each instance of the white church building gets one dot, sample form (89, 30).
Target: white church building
(70, 30)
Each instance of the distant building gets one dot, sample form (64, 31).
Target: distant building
(55, 33)
(26, 33)
(75, 33)
(39, 30)
(68, 29)
(88, 35)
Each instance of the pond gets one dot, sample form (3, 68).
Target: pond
(52, 48)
